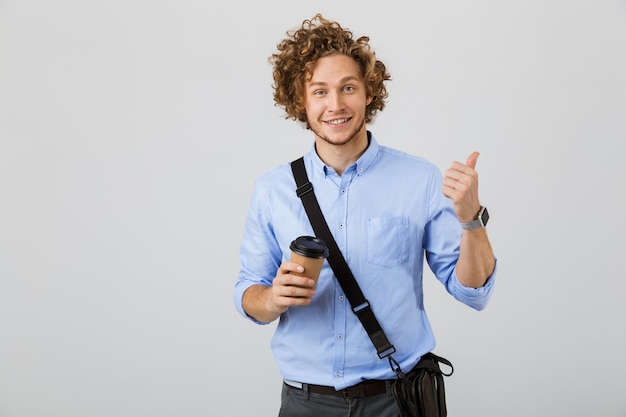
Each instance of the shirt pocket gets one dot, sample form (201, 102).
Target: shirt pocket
(387, 241)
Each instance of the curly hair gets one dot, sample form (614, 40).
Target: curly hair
(298, 53)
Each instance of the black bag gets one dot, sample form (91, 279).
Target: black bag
(421, 392)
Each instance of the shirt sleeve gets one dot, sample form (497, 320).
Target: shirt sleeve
(476, 298)
(260, 254)
(442, 246)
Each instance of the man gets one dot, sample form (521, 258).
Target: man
(388, 212)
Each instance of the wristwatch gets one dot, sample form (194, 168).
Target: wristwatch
(481, 221)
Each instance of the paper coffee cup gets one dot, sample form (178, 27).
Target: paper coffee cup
(309, 252)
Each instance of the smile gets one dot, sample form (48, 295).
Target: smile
(337, 122)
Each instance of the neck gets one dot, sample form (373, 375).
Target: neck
(339, 157)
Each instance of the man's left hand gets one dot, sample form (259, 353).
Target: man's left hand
(460, 184)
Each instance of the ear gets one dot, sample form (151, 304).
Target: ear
(369, 100)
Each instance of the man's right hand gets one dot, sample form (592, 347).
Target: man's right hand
(266, 304)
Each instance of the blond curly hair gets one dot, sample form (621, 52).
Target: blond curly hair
(298, 53)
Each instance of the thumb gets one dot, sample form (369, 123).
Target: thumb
(471, 160)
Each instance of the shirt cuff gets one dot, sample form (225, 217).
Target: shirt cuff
(477, 298)
(240, 288)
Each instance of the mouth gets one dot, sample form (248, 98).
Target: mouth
(338, 122)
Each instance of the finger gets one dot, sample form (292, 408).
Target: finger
(451, 182)
(459, 177)
(471, 160)
(456, 172)
(294, 293)
(288, 267)
(293, 280)
(301, 281)
(287, 296)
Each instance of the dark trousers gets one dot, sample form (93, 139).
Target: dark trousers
(297, 402)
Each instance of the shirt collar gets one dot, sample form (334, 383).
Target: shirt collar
(361, 164)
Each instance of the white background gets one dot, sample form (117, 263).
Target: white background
(131, 132)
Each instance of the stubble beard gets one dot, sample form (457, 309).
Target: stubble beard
(318, 131)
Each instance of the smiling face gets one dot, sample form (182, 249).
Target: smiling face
(335, 101)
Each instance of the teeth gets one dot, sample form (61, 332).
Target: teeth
(338, 121)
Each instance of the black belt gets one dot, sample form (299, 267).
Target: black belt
(363, 389)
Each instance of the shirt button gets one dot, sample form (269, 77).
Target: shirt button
(337, 375)
(341, 226)
(341, 298)
(339, 336)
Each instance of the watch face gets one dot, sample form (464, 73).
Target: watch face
(484, 216)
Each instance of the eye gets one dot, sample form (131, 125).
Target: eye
(349, 88)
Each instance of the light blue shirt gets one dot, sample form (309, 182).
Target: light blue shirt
(387, 214)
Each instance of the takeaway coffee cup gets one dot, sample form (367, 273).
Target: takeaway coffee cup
(309, 252)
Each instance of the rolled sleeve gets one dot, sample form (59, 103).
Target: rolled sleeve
(476, 298)
(260, 253)
(240, 287)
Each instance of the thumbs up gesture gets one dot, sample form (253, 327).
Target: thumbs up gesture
(460, 184)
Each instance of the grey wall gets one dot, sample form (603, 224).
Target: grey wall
(130, 136)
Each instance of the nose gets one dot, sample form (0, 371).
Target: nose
(335, 102)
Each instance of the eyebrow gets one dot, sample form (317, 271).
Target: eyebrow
(341, 81)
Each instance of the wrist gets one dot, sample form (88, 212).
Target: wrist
(480, 221)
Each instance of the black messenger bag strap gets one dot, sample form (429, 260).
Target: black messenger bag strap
(360, 306)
